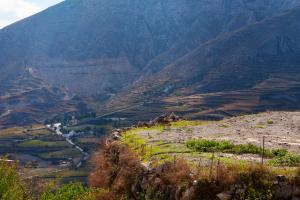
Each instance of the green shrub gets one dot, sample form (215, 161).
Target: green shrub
(223, 146)
(279, 152)
(72, 191)
(258, 185)
(210, 145)
(11, 186)
(287, 159)
(229, 147)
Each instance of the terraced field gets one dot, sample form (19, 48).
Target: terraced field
(41, 152)
(234, 140)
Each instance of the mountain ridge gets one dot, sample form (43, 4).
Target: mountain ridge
(103, 49)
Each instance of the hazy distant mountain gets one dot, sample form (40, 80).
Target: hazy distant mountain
(103, 48)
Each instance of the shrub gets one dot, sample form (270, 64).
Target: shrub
(209, 145)
(279, 152)
(11, 186)
(74, 191)
(229, 147)
(285, 159)
(257, 183)
(117, 168)
(225, 147)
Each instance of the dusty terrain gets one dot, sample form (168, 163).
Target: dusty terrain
(281, 130)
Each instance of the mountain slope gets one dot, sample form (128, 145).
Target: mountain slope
(100, 48)
(262, 58)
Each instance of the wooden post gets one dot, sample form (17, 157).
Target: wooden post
(218, 168)
(174, 160)
(263, 151)
(211, 165)
(142, 151)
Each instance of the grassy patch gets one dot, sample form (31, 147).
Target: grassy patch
(280, 157)
(285, 159)
(40, 143)
(67, 153)
(150, 150)
(185, 123)
(226, 147)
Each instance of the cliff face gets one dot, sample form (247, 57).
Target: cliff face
(101, 47)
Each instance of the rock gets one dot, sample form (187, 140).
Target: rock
(280, 178)
(165, 119)
(157, 181)
(223, 196)
(297, 181)
(283, 190)
(116, 135)
(296, 192)
(189, 194)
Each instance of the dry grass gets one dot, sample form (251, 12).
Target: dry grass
(117, 169)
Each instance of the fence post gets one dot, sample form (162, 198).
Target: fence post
(263, 151)
(211, 165)
(218, 168)
(174, 160)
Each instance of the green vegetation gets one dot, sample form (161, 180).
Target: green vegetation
(280, 157)
(186, 123)
(155, 150)
(11, 187)
(72, 191)
(40, 143)
(285, 158)
(225, 147)
(62, 154)
(258, 182)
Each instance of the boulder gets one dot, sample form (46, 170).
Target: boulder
(223, 196)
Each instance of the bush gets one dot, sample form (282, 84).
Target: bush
(74, 191)
(209, 145)
(11, 186)
(229, 147)
(257, 183)
(117, 169)
(279, 152)
(225, 147)
(287, 159)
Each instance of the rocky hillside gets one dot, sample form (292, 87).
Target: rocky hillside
(104, 48)
(259, 61)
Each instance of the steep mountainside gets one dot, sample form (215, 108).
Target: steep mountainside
(260, 60)
(101, 48)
